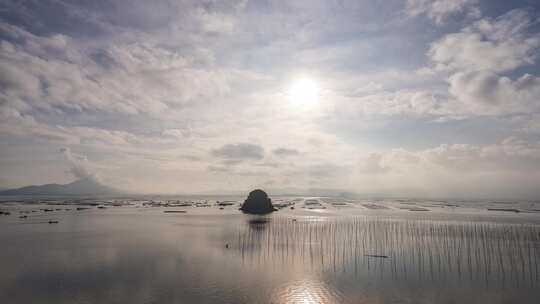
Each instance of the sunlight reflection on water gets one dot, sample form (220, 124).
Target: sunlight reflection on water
(307, 291)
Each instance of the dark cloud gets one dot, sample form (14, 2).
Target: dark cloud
(284, 152)
(326, 170)
(77, 18)
(241, 151)
(104, 59)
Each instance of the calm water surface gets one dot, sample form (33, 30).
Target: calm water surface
(143, 255)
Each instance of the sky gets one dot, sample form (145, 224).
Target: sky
(410, 98)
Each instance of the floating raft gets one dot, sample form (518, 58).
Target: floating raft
(504, 209)
(377, 256)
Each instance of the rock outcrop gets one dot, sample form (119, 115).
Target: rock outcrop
(257, 202)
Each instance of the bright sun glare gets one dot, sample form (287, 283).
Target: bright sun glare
(303, 91)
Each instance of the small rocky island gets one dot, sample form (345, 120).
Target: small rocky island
(257, 202)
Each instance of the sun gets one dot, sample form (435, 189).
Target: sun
(303, 91)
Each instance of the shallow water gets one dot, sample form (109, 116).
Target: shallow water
(133, 254)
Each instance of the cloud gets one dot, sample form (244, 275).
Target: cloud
(506, 169)
(410, 103)
(322, 171)
(215, 22)
(177, 133)
(80, 167)
(488, 93)
(510, 154)
(241, 151)
(530, 124)
(495, 45)
(373, 164)
(178, 91)
(479, 59)
(219, 169)
(139, 78)
(285, 152)
(440, 10)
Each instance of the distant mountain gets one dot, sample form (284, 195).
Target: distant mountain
(84, 186)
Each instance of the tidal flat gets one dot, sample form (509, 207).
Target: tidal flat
(344, 251)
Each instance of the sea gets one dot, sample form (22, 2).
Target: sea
(312, 250)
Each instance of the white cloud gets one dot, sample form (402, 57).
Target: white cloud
(506, 169)
(478, 60)
(215, 23)
(372, 164)
(79, 165)
(440, 10)
(495, 45)
(502, 157)
(125, 78)
(398, 103)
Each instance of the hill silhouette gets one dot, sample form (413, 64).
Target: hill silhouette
(83, 186)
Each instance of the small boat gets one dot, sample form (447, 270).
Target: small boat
(225, 203)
